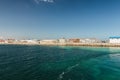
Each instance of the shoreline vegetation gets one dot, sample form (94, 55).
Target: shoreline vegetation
(69, 44)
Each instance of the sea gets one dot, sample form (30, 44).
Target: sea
(35, 62)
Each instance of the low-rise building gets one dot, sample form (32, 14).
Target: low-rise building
(10, 40)
(48, 41)
(62, 41)
(28, 41)
(114, 39)
(89, 40)
(2, 41)
(74, 40)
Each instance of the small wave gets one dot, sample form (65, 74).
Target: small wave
(70, 68)
(61, 75)
(66, 71)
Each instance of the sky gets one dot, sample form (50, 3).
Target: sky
(53, 19)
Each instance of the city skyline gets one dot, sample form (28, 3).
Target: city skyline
(41, 19)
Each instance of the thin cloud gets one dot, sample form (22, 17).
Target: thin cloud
(36, 1)
(48, 1)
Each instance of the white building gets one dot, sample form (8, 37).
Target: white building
(29, 41)
(89, 40)
(114, 40)
(62, 40)
(48, 41)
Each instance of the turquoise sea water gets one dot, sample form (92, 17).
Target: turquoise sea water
(21, 62)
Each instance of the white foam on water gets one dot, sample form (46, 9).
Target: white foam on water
(66, 71)
(70, 68)
(61, 75)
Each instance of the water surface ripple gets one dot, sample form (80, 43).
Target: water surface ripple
(22, 62)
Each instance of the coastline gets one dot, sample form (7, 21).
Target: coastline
(69, 44)
(86, 44)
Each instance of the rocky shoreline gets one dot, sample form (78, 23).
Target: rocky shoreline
(87, 44)
(70, 44)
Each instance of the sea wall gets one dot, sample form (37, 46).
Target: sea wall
(72, 44)
(86, 44)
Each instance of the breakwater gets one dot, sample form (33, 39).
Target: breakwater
(86, 44)
(72, 44)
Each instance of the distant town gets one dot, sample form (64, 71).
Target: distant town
(111, 42)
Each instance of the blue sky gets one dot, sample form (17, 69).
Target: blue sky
(45, 19)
